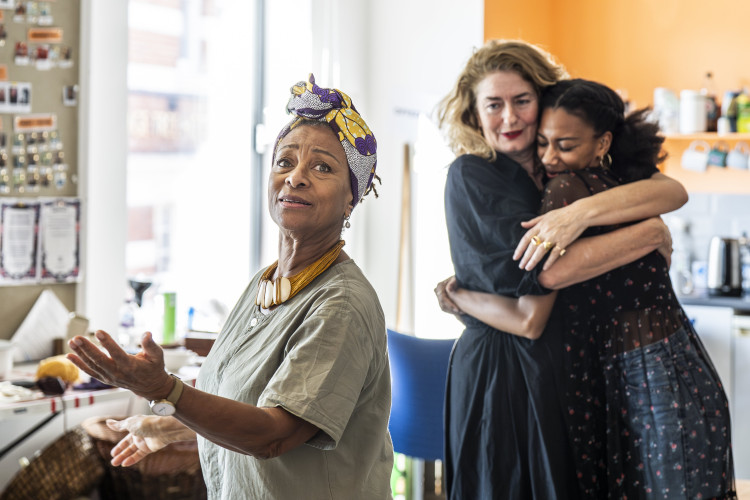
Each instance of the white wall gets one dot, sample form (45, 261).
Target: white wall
(416, 50)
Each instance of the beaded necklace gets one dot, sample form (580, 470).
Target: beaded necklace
(274, 292)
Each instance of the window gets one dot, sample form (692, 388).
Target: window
(191, 101)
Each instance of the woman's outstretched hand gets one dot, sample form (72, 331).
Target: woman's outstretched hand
(442, 291)
(146, 435)
(143, 439)
(550, 233)
(142, 373)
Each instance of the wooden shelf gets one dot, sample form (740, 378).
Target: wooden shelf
(708, 136)
(714, 179)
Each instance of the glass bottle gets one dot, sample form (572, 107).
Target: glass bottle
(712, 106)
(126, 333)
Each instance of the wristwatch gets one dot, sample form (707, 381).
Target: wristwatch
(166, 407)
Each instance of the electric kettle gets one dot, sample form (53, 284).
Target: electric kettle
(724, 267)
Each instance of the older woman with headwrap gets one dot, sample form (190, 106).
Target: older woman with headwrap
(293, 399)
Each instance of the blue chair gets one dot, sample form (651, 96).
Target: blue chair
(418, 372)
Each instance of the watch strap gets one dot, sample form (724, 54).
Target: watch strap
(176, 392)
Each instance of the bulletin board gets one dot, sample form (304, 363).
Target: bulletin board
(39, 95)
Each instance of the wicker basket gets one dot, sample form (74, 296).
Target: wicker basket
(172, 473)
(66, 469)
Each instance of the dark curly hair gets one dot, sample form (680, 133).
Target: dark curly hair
(636, 144)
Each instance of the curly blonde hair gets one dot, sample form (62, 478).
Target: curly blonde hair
(456, 113)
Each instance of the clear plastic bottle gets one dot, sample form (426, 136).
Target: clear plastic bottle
(126, 333)
(682, 256)
(745, 263)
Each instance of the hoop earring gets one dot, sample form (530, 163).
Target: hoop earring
(605, 161)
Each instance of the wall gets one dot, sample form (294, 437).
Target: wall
(711, 214)
(531, 21)
(635, 45)
(17, 301)
(415, 52)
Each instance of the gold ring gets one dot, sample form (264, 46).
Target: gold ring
(536, 240)
(547, 245)
(562, 250)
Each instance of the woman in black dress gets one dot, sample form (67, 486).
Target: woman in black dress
(645, 410)
(505, 436)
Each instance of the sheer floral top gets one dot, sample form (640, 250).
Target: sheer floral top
(629, 307)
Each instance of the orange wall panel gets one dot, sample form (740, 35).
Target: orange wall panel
(527, 20)
(636, 45)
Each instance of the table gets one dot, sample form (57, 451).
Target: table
(37, 422)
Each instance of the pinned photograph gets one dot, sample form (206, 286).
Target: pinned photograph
(70, 95)
(18, 95)
(32, 12)
(22, 54)
(41, 58)
(45, 14)
(65, 57)
(20, 13)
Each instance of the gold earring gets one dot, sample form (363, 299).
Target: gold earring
(605, 161)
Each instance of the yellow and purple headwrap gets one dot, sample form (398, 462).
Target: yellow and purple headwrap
(310, 102)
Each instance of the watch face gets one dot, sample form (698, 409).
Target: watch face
(162, 408)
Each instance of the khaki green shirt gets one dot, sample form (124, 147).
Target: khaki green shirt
(322, 356)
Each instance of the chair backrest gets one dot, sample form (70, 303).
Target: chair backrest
(418, 373)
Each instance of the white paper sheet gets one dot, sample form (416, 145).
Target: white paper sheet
(59, 240)
(18, 242)
(47, 320)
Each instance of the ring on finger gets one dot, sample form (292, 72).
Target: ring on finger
(536, 240)
(562, 250)
(547, 245)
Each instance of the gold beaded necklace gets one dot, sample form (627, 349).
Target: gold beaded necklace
(274, 292)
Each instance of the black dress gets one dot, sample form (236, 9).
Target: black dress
(646, 412)
(505, 433)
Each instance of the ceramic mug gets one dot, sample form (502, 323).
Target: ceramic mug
(695, 157)
(718, 155)
(739, 157)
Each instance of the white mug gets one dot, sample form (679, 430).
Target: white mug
(739, 157)
(692, 112)
(695, 157)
